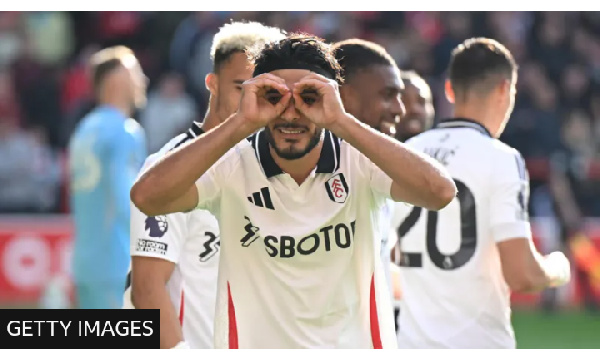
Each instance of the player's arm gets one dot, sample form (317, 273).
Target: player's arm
(561, 190)
(156, 193)
(524, 268)
(155, 248)
(416, 178)
(149, 277)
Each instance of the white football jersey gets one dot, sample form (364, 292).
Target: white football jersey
(191, 241)
(300, 265)
(388, 242)
(454, 292)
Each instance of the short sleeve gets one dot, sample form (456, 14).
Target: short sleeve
(211, 183)
(158, 236)
(379, 182)
(509, 198)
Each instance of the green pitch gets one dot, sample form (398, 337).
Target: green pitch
(573, 329)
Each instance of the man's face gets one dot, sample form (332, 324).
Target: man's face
(376, 97)
(419, 111)
(292, 135)
(232, 74)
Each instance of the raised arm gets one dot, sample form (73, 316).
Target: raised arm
(169, 185)
(416, 178)
(524, 268)
(149, 280)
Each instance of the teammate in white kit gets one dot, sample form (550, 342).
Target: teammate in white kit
(298, 207)
(419, 117)
(181, 250)
(460, 263)
(371, 93)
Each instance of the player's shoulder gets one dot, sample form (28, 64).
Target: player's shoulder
(422, 138)
(113, 124)
(504, 153)
(508, 162)
(171, 144)
(131, 126)
(94, 125)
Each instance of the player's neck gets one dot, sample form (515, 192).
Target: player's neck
(299, 169)
(211, 120)
(113, 102)
(481, 114)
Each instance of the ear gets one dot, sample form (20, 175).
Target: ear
(347, 94)
(504, 87)
(212, 83)
(449, 91)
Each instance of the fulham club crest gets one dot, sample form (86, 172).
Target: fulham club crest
(337, 188)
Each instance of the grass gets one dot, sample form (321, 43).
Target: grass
(563, 330)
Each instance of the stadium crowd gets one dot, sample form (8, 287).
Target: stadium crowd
(44, 90)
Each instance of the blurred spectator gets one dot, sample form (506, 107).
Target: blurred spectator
(457, 29)
(76, 85)
(30, 173)
(576, 186)
(10, 37)
(190, 50)
(578, 167)
(38, 89)
(169, 111)
(575, 86)
(118, 27)
(549, 43)
(9, 107)
(558, 54)
(51, 34)
(44, 89)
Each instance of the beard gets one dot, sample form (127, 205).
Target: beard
(291, 153)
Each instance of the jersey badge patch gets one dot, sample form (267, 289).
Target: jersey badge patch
(337, 188)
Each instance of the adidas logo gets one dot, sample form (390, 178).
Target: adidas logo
(262, 198)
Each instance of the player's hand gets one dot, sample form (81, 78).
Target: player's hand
(264, 98)
(561, 264)
(318, 99)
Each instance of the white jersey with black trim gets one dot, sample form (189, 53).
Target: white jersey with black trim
(191, 241)
(453, 291)
(388, 241)
(300, 265)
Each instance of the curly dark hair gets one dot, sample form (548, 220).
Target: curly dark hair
(355, 55)
(297, 51)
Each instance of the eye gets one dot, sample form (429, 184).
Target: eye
(309, 96)
(273, 96)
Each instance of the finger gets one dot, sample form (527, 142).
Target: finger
(334, 84)
(308, 83)
(265, 76)
(299, 103)
(260, 84)
(271, 77)
(283, 103)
